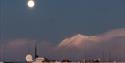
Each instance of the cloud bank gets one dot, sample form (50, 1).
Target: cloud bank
(80, 39)
(108, 46)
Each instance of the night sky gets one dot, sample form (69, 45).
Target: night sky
(53, 20)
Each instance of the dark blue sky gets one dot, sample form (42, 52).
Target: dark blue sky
(53, 20)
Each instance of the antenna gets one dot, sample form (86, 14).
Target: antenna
(36, 56)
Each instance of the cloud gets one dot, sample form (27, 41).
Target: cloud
(15, 49)
(113, 33)
(79, 39)
(108, 45)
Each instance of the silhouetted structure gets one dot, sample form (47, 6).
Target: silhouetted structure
(36, 55)
(66, 60)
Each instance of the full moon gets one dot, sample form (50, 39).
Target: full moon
(31, 3)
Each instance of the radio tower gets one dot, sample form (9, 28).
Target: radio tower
(36, 55)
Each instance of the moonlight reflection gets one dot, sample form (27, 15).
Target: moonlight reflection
(31, 3)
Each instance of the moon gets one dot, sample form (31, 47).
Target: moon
(31, 3)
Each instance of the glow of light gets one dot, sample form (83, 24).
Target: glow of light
(31, 3)
(29, 58)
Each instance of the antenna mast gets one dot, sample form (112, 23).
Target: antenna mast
(36, 55)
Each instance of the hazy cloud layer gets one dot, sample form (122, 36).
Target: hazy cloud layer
(109, 45)
(80, 39)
